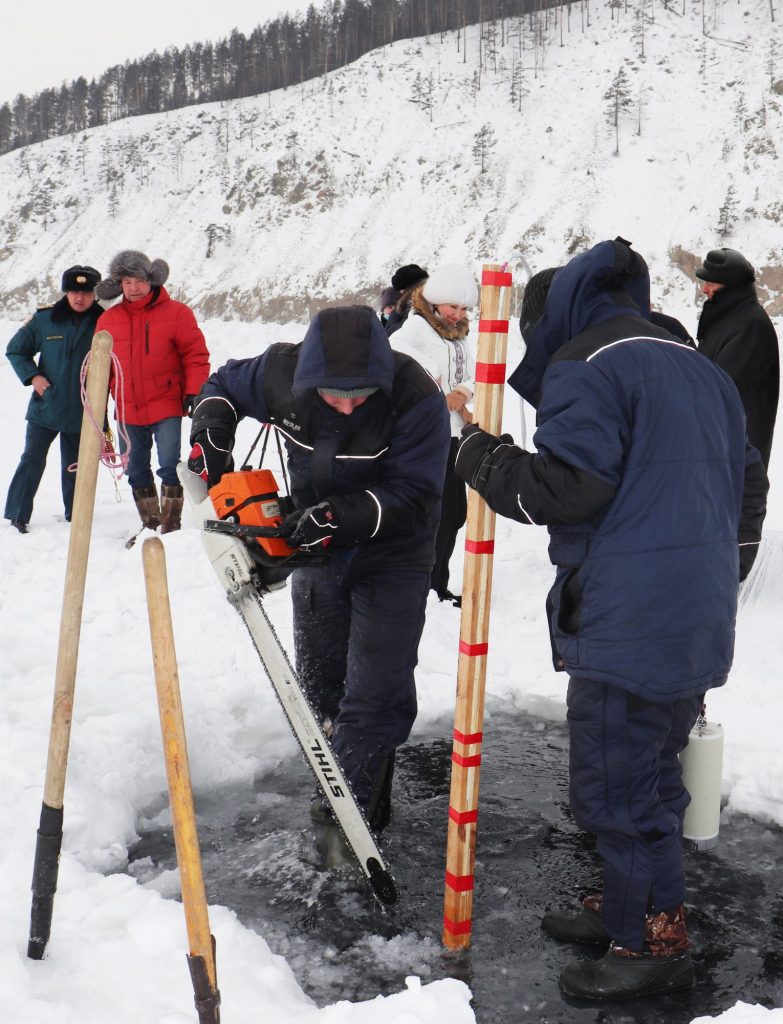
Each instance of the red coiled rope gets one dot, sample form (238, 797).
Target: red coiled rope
(117, 462)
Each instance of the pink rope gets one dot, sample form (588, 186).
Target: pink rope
(115, 461)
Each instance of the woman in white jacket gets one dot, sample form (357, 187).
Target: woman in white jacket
(435, 335)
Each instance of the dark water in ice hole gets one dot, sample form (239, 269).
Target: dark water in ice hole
(259, 860)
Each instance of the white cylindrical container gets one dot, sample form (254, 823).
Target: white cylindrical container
(702, 767)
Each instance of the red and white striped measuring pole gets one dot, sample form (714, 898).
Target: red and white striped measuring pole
(474, 625)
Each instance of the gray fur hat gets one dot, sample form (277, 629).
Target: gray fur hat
(131, 263)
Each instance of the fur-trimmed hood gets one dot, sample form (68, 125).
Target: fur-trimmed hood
(426, 310)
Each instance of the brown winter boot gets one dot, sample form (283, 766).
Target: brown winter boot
(171, 498)
(146, 499)
(664, 965)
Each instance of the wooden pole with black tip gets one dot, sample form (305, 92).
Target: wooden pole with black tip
(201, 959)
(50, 830)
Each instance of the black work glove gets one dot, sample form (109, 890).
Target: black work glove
(210, 456)
(343, 518)
(188, 403)
(311, 527)
(474, 455)
(747, 556)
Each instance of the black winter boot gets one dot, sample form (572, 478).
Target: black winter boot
(171, 498)
(146, 499)
(379, 807)
(584, 925)
(665, 965)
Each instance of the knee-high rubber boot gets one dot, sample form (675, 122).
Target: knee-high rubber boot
(171, 498)
(146, 499)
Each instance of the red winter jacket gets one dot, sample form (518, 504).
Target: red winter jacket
(162, 353)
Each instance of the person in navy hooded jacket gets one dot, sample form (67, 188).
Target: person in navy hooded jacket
(654, 502)
(367, 435)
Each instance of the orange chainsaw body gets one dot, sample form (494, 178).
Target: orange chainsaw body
(250, 497)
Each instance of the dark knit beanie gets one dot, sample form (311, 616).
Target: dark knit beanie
(407, 276)
(348, 392)
(727, 267)
(534, 300)
(80, 279)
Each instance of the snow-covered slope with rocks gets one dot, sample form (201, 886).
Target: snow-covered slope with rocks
(272, 205)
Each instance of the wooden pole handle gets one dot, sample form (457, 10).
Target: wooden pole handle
(176, 755)
(76, 570)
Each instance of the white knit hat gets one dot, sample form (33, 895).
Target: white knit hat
(451, 283)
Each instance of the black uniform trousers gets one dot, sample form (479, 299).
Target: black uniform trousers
(454, 509)
(357, 628)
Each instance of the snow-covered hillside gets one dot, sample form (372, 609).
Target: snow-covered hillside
(273, 205)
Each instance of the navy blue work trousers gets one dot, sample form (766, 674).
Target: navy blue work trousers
(626, 788)
(27, 478)
(356, 637)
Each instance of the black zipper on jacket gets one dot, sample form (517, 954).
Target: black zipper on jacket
(147, 337)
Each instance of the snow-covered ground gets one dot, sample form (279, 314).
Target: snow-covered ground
(117, 950)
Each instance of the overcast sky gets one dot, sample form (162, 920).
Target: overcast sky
(46, 42)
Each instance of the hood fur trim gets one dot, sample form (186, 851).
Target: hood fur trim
(425, 309)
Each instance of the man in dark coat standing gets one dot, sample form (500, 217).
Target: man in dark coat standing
(735, 332)
(60, 336)
(367, 435)
(644, 477)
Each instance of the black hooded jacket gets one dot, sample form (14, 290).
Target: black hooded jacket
(736, 333)
(384, 463)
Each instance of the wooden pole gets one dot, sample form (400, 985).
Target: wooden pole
(50, 830)
(202, 947)
(474, 624)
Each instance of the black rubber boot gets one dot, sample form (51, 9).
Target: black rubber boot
(619, 976)
(665, 964)
(584, 925)
(320, 810)
(379, 808)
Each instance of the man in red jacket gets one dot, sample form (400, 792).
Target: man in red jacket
(163, 361)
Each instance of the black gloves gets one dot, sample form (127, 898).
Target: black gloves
(210, 456)
(345, 519)
(188, 402)
(747, 556)
(474, 455)
(310, 527)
